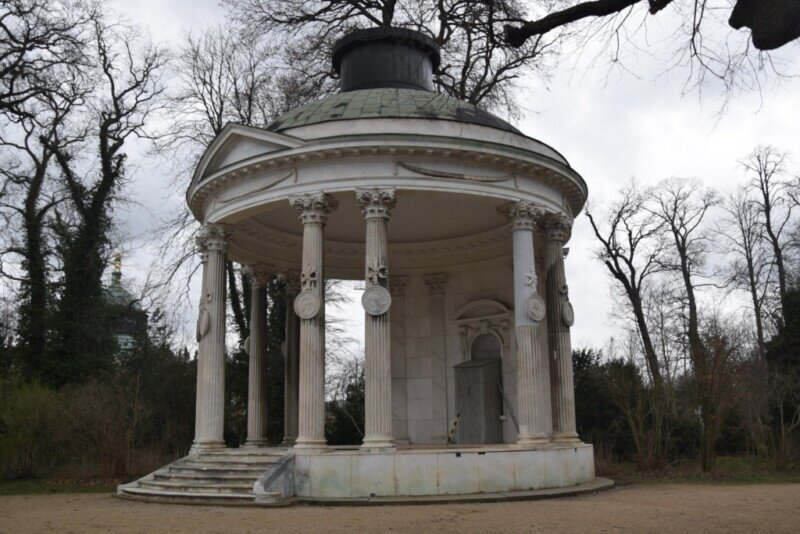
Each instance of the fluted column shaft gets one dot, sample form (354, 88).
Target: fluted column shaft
(559, 319)
(313, 209)
(397, 288)
(436, 284)
(291, 354)
(257, 365)
(376, 205)
(210, 402)
(533, 374)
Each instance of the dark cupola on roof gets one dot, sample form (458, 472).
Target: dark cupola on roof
(386, 58)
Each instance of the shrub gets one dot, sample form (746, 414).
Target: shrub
(30, 428)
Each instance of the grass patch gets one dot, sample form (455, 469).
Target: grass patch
(36, 486)
(728, 470)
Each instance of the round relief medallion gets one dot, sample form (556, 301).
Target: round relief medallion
(306, 304)
(376, 300)
(568, 314)
(536, 308)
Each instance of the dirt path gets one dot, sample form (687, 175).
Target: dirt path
(641, 508)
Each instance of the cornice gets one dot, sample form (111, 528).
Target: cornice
(281, 165)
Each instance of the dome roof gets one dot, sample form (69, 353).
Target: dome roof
(386, 103)
(115, 293)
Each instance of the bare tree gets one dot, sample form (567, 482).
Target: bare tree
(662, 308)
(700, 40)
(743, 238)
(784, 396)
(476, 66)
(682, 206)
(224, 77)
(774, 23)
(631, 249)
(37, 37)
(775, 198)
(643, 406)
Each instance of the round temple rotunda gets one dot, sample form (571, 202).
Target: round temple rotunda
(456, 222)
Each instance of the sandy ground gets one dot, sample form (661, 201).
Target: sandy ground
(639, 508)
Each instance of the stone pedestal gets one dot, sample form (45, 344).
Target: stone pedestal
(256, 347)
(376, 205)
(210, 405)
(556, 229)
(533, 374)
(291, 355)
(309, 304)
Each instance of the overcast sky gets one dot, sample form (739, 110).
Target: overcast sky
(610, 126)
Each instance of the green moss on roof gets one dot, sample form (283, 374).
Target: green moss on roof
(388, 103)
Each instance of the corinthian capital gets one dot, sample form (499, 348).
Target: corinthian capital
(397, 286)
(292, 280)
(259, 274)
(313, 207)
(557, 227)
(212, 237)
(376, 203)
(435, 283)
(522, 215)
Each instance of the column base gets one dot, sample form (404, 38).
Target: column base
(310, 444)
(532, 440)
(199, 447)
(255, 443)
(439, 439)
(565, 437)
(378, 444)
(288, 442)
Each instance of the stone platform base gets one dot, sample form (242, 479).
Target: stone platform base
(441, 471)
(598, 484)
(350, 476)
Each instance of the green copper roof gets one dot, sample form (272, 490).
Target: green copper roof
(388, 103)
(118, 295)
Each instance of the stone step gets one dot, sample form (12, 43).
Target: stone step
(267, 451)
(238, 460)
(251, 473)
(233, 468)
(158, 495)
(206, 478)
(197, 487)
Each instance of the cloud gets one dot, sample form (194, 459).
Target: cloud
(609, 127)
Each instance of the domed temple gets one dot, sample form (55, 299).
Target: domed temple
(457, 223)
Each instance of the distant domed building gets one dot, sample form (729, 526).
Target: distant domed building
(130, 321)
(457, 223)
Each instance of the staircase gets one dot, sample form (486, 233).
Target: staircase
(228, 476)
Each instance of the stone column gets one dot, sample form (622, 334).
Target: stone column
(533, 373)
(210, 405)
(560, 317)
(256, 347)
(436, 283)
(397, 288)
(376, 205)
(309, 304)
(291, 355)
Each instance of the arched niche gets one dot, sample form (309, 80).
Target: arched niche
(479, 317)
